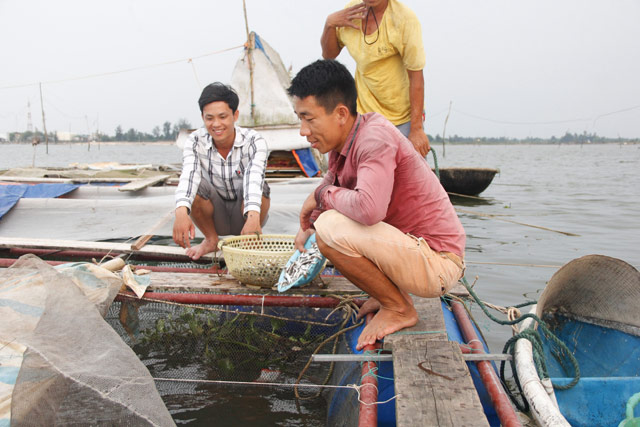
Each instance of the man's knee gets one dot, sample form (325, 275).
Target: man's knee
(331, 227)
(201, 204)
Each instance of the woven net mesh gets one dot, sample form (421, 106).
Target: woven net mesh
(595, 289)
(258, 260)
(72, 368)
(200, 354)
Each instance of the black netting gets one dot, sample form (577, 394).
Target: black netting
(204, 355)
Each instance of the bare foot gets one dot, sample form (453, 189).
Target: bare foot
(203, 248)
(386, 322)
(370, 306)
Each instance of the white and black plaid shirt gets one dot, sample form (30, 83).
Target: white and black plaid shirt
(243, 168)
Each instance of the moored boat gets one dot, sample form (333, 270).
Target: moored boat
(466, 181)
(591, 305)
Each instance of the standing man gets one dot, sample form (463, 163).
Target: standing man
(385, 39)
(380, 214)
(222, 187)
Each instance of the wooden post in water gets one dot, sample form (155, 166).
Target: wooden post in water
(250, 46)
(444, 152)
(44, 124)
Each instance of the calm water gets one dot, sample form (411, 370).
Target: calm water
(589, 190)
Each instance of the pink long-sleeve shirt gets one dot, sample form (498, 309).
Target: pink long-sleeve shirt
(379, 176)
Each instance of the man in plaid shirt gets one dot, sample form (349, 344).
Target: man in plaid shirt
(222, 189)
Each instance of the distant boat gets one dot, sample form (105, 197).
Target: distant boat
(591, 305)
(466, 181)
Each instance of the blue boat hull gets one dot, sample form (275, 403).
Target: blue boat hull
(609, 362)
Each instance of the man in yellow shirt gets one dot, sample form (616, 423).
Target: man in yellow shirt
(385, 39)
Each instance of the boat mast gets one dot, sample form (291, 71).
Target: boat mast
(250, 47)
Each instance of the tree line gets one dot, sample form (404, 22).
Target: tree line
(165, 132)
(169, 132)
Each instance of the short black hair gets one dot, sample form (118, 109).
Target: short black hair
(219, 92)
(329, 81)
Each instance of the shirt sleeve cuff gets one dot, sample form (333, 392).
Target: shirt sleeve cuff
(319, 193)
(185, 204)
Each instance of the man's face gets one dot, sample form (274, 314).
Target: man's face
(219, 121)
(321, 129)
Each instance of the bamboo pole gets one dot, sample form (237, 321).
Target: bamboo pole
(444, 152)
(250, 47)
(44, 124)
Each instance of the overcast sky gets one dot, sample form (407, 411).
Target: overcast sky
(510, 68)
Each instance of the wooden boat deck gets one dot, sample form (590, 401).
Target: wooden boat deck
(444, 396)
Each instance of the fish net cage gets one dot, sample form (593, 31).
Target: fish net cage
(199, 354)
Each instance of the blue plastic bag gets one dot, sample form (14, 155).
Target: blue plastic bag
(303, 277)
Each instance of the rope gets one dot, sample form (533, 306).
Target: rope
(561, 352)
(435, 162)
(348, 386)
(348, 305)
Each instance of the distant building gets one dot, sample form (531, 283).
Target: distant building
(4, 137)
(64, 136)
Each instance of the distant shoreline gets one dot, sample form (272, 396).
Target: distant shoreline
(433, 143)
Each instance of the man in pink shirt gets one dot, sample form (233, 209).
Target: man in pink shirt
(380, 214)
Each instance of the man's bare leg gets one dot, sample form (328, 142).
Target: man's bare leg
(202, 216)
(395, 313)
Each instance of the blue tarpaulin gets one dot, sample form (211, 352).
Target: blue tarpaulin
(10, 194)
(306, 161)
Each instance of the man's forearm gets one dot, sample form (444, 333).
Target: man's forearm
(329, 42)
(416, 97)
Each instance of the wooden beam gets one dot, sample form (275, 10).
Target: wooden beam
(125, 248)
(139, 184)
(433, 385)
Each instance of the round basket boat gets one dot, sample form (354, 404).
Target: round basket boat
(257, 260)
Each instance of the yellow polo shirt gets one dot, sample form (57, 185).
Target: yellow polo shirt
(381, 67)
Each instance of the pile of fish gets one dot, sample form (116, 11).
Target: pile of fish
(303, 269)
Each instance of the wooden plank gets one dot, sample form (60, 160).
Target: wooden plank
(125, 248)
(200, 282)
(139, 184)
(459, 290)
(443, 395)
(75, 180)
(431, 324)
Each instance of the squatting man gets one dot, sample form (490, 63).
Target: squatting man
(380, 214)
(222, 188)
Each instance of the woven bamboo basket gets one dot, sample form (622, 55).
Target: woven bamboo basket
(258, 260)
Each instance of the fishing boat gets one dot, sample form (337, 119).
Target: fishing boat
(466, 181)
(591, 305)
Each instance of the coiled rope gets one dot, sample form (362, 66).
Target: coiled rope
(561, 351)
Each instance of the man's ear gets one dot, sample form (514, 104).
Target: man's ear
(343, 113)
(236, 115)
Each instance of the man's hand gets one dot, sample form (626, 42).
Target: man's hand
(301, 238)
(345, 17)
(420, 141)
(305, 212)
(183, 228)
(252, 224)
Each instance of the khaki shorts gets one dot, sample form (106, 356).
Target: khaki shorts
(407, 261)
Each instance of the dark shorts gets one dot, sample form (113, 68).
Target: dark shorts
(228, 217)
